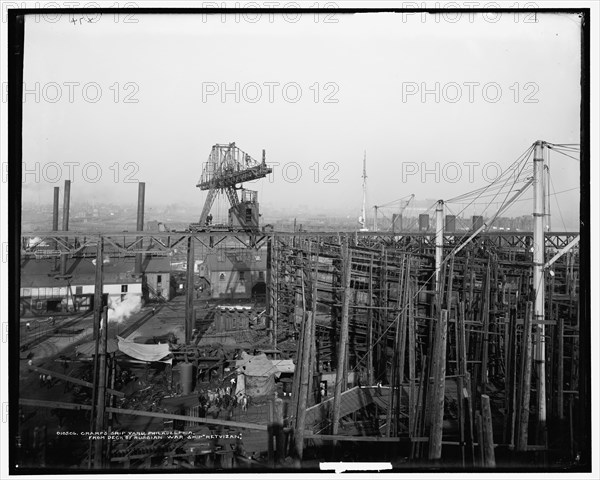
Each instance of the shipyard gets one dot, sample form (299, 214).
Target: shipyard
(223, 296)
(313, 338)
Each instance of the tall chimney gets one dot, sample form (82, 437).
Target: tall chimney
(65, 222)
(66, 205)
(140, 224)
(55, 209)
(55, 221)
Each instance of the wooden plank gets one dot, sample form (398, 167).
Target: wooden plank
(396, 372)
(403, 335)
(439, 378)
(313, 360)
(346, 259)
(486, 325)
(419, 421)
(479, 429)
(31, 402)
(461, 358)
(304, 374)
(489, 458)
(525, 381)
(188, 418)
(296, 377)
(370, 376)
(74, 380)
(560, 381)
(511, 373)
(412, 401)
(468, 407)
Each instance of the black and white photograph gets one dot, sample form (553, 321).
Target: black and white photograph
(288, 239)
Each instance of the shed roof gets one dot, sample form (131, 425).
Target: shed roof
(46, 272)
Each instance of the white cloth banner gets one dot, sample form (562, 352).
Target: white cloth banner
(148, 353)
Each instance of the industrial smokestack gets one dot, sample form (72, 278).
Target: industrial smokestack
(65, 222)
(140, 206)
(140, 224)
(66, 205)
(477, 222)
(55, 221)
(55, 209)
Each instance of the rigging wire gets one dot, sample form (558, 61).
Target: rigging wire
(557, 203)
(560, 150)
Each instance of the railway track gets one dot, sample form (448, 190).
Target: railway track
(39, 335)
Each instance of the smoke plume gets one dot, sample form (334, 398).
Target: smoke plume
(120, 310)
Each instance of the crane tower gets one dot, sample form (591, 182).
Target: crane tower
(228, 166)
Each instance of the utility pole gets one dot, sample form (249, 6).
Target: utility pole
(98, 285)
(439, 241)
(140, 226)
(100, 403)
(189, 293)
(538, 280)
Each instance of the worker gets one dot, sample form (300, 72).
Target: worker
(28, 326)
(153, 310)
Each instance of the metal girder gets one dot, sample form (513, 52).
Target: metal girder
(77, 243)
(232, 196)
(208, 203)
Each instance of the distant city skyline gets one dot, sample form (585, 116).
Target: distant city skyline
(440, 108)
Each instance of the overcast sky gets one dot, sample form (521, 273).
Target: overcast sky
(315, 94)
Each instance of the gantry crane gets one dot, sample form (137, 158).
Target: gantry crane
(228, 166)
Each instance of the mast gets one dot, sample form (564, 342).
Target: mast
(439, 241)
(538, 278)
(363, 217)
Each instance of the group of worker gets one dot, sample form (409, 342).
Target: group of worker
(214, 401)
(46, 380)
